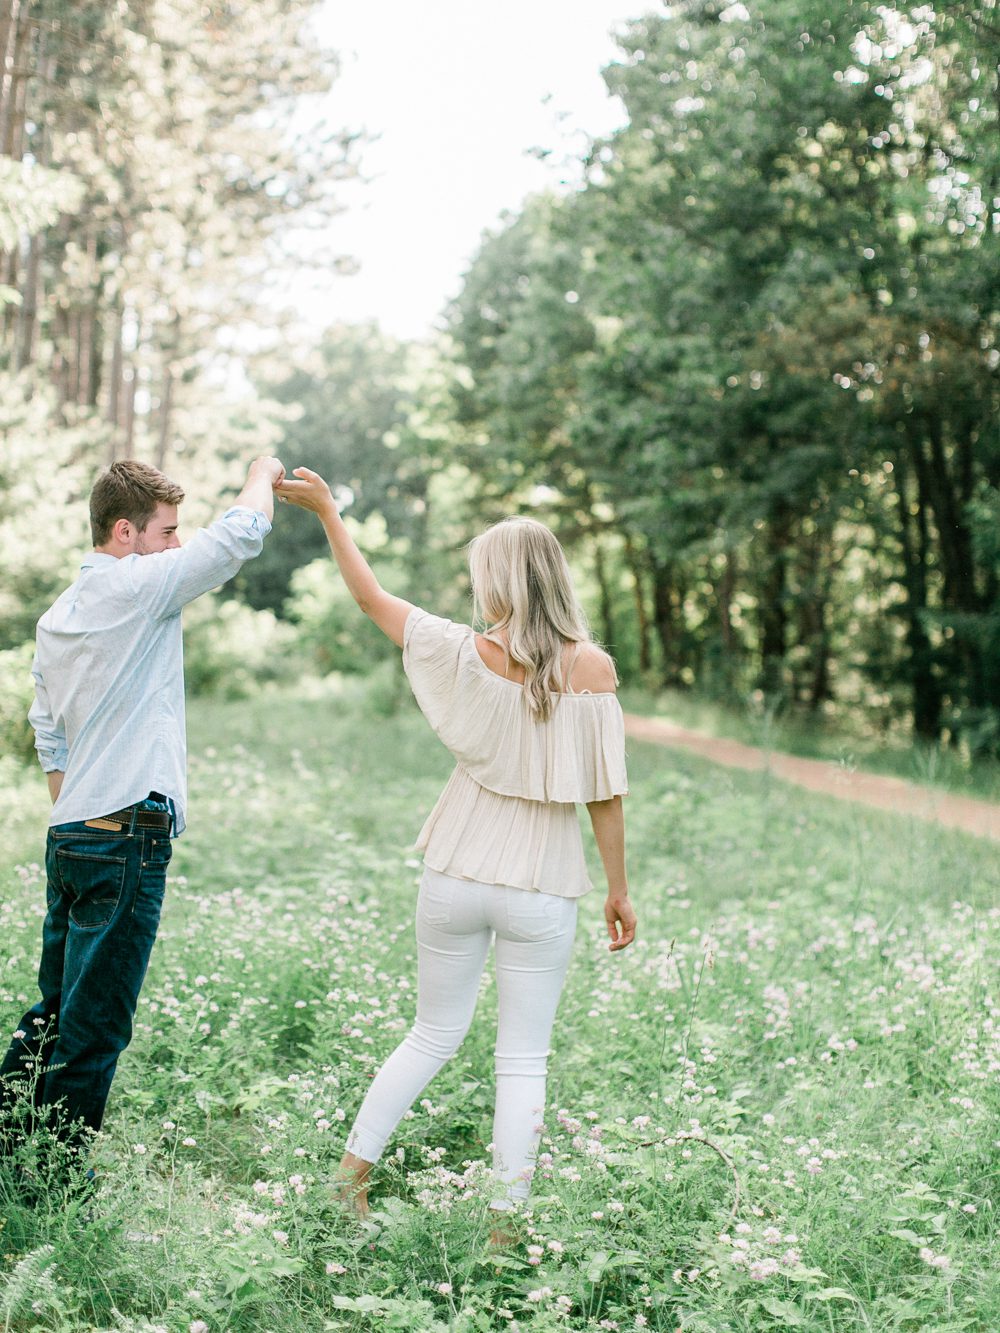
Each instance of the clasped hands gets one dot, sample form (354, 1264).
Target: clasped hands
(308, 490)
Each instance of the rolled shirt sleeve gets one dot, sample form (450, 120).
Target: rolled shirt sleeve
(50, 739)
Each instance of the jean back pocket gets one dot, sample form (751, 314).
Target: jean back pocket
(93, 883)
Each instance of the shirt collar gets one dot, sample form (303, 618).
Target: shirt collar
(97, 558)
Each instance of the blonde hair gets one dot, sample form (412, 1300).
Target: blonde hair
(521, 583)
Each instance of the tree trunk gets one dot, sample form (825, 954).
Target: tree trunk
(60, 365)
(725, 590)
(72, 357)
(14, 75)
(27, 313)
(773, 606)
(13, 41)
(129, 384)
(8, 18)
(607, 614)
(171, 346)
(819, 682)
(913, 540)
(665, 621)
(641, 613)
(115, 383)
(86, 376)
(20, 74)
(86, 357)
(8, 313)
(166, 416)
(815, 583)
(953, 529)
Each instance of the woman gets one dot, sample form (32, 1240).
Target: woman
(529, 711)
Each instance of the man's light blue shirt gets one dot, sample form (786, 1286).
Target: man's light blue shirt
(109, 670)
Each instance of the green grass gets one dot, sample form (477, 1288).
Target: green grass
(777, 1110)
(858, 746)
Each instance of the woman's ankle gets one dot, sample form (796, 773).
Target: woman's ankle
(352, 1182)
(505, 1230)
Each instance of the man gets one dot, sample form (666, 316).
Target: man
(108, 718)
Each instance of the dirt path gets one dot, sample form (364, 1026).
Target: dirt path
(906, 798)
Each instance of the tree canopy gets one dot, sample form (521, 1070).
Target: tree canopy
(759, 350)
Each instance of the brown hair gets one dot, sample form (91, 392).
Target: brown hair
(129, 490)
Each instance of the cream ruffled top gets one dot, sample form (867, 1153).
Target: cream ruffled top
(508, 813)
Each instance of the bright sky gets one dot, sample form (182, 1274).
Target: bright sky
(458, 92)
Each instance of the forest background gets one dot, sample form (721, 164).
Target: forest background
(748, 369)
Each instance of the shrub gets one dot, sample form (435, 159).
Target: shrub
(230, 650)
(336, 635)
(16, 695)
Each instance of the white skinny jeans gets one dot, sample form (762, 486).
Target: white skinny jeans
(456, 920)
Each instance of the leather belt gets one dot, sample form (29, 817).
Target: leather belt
(114, 823)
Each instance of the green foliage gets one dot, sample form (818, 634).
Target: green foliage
(45, 470)
(231, 651)
(333, 633)
(348, 405)
(32, 197)
(17, 694)
(760, 344)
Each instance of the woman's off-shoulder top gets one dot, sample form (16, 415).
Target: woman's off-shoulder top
(508, 813)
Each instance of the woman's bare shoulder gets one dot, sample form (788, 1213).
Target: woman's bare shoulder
(593, 671)
(494, 655)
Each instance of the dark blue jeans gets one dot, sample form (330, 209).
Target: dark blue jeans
(104, 895)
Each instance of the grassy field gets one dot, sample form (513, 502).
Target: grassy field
(779, 1110)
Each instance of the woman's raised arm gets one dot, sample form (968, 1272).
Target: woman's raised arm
(310, 491)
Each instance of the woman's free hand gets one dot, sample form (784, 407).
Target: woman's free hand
(620, 916)
(309, 491)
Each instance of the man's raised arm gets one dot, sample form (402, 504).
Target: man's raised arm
(258, 489)
(166, 581)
